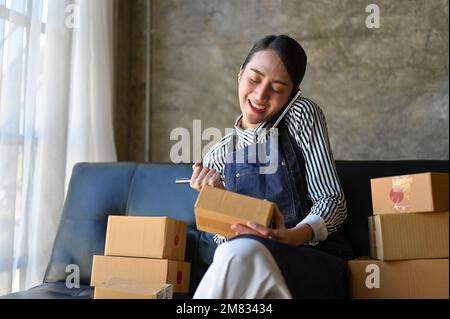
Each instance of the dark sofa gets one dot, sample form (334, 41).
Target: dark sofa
(100, 189)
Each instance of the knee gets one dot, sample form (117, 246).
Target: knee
(237, 249)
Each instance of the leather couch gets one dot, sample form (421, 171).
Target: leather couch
(97, 190)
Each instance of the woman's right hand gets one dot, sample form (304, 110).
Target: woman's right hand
(202, 176)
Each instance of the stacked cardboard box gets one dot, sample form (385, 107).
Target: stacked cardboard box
(118, 288)
(217, 209)
(144, 257)
(408, 235)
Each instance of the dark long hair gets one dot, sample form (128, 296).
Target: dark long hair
(290, 52)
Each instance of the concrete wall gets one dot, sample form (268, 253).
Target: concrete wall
(384, 91)
(131, 107)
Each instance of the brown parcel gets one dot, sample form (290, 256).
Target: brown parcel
(118, 288)
(150, 237)
(422, 278)
(216, 210)
(417, 193)
(172, 272)
(409, 236)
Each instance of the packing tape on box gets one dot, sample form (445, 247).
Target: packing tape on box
(400, 192)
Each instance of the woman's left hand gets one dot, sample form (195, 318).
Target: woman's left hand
(279, 232)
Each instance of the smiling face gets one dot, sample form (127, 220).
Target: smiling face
(264, 88)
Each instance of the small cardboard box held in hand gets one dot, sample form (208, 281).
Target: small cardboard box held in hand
(217, 209)
(415, 193)
(145, 236)
(118, 288)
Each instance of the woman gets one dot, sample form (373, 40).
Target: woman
(301, 256)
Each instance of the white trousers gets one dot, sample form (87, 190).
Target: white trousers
(242, 269)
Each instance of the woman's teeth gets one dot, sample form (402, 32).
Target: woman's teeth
(256, 106)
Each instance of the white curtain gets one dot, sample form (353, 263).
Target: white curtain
(55, 110)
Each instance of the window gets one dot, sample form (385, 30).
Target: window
(22, 36)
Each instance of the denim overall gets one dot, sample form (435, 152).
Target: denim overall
(249, 171)
(309, 271)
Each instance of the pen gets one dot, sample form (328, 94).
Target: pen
(182, 180)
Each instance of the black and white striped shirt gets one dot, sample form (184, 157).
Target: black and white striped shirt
(306, 123)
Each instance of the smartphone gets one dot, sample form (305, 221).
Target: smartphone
(286, 109)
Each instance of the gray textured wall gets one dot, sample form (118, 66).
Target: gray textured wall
(131, 118)
(384, 91)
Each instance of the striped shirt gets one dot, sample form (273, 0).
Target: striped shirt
(306, 123)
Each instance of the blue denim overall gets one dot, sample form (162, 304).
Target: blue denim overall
(309, 272)
(265, 171)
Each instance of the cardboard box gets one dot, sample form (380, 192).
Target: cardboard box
(177, 273)
(409, 236)
(417, 193)
(422, 278)
(150, 237)
(216, 210)
(118, 288)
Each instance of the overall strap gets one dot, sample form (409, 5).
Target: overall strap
(231, 146)
(296, 165)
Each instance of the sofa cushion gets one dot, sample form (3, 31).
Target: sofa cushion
(55, 290)
(153, 192)
(95, 191)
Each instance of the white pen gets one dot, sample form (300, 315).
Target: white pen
(182, 180)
